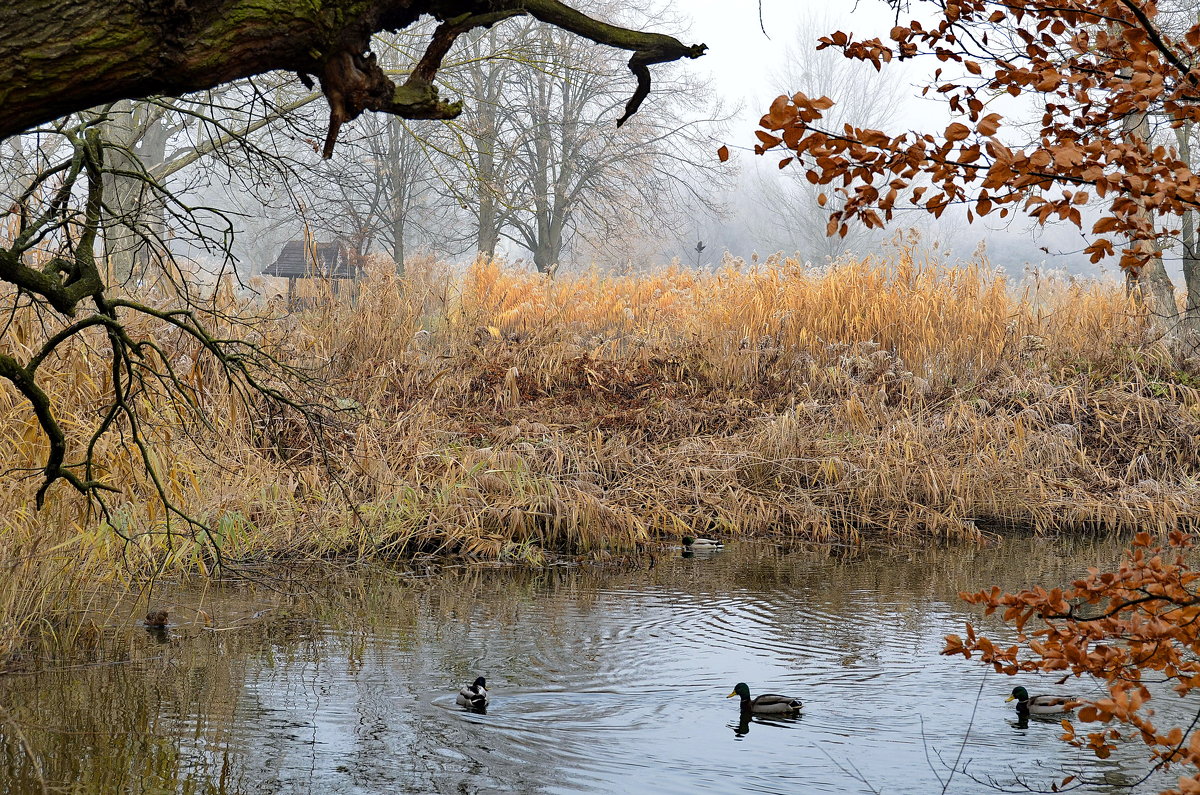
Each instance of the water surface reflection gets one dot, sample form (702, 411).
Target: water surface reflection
(601, 680)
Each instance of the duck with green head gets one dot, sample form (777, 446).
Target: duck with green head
(767, 703)
(1041, 705)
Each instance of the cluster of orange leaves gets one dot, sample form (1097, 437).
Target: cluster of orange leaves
(1116, 626)
(1096, 69)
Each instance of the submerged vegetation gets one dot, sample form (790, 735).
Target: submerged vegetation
(497, 414)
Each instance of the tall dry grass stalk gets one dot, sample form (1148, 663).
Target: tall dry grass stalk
(496, 414)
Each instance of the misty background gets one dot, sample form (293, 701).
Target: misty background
(536, 170)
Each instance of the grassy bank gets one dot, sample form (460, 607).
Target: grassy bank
(498, 415)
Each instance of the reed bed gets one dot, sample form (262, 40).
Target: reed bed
(495, 414)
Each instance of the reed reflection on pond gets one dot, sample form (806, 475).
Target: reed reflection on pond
(599, 680)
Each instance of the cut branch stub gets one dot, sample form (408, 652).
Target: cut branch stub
(639, 64)
(648, 48)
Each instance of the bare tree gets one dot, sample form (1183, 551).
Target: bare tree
(551, 163)
(790, 214)
(382, 195)
(485, 68)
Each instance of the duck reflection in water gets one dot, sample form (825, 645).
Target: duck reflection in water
(742, 727)
(159, 634)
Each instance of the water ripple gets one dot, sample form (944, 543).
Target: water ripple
(605, 681)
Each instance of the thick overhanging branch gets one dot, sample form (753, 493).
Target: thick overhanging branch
(354, 82)
(648, 48)
(56, 63)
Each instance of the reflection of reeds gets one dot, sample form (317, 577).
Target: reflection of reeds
(203, 709)
(498, 415)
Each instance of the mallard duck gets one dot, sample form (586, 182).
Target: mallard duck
(767, 703)
(474, 695)
(701, 544)
(1040, 705)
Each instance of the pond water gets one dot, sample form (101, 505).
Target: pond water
(602, 679)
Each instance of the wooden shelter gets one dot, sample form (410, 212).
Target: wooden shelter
(300, 259)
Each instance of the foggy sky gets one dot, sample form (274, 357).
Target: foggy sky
(741, 59)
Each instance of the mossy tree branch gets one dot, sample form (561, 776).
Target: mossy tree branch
(56, 60)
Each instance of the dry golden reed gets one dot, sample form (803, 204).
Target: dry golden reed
(493, 413)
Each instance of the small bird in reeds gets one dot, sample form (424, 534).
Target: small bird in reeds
(473, 696)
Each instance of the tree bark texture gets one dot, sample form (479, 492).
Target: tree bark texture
(57, 58)
(1152, 280)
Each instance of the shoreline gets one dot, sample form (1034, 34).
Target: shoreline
(496, 415)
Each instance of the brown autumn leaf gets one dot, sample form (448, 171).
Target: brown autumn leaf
(957, 131)
(989, 124)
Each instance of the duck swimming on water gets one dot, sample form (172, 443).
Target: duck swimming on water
(474, 695)
(1041, 705)
(701, 544)
(767, 703)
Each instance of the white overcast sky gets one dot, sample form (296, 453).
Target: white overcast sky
(740, 57)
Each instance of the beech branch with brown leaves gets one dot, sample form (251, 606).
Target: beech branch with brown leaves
(1116, 626)
(1098, 70)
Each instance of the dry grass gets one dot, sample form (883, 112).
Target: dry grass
(495, 414)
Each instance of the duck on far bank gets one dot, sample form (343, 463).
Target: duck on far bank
(474, 695)
(701, 544)
(767, 703)
(1041, 705)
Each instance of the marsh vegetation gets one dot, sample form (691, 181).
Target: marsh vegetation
(496, 414)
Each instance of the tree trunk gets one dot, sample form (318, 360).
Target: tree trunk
(62, 57)
(488, 82)
(399, 192)
(398, 242)
(1190, 259)
(543, 250)
(1158, 291)
(125, 194)
(489, 228)
(1191, 275)
(488, 217)
(546, 255)
(1151, 282)
(135, 226)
